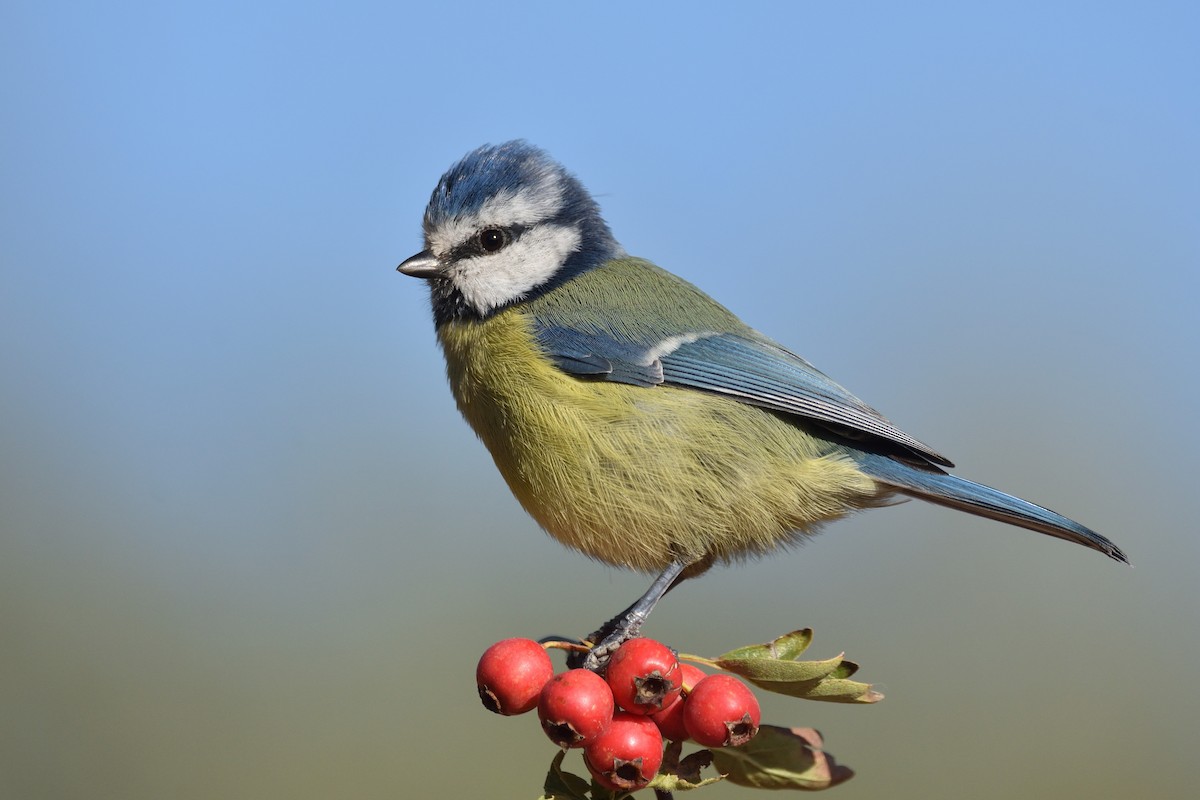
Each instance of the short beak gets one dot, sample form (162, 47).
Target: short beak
(422, 265)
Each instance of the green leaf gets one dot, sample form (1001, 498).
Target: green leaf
(681, 775)
(772, 670)
(834, 690)
(562, 785)
(689, 769)
(829, 690)
(846, 669)
(781, 758)
(670, 782)
(787, 647)
(772, 666)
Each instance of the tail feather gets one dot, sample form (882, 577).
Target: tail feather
(984, 501)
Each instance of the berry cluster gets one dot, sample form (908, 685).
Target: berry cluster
(620, 720)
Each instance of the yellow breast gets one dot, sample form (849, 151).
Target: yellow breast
(636, 476)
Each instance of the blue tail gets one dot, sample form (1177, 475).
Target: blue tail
(975, 498)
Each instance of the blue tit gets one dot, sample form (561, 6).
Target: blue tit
(635, 418)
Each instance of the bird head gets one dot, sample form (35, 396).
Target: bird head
(504, 224)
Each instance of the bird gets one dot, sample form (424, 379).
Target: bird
(636, 419)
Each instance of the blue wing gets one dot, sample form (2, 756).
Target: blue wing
(747, 367)
(600, 356)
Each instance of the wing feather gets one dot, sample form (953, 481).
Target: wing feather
(745, 366)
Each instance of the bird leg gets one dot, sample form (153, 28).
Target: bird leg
(625, 626)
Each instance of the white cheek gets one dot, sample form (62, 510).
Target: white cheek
(489, 281)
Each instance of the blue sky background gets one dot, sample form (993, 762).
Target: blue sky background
(247, 547)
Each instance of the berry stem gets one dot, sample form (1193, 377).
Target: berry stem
(708, 662)
(563, 643)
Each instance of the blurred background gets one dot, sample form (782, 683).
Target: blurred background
(247, 547)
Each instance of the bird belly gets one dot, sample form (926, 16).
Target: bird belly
(638, 477)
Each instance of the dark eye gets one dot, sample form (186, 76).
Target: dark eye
(492, 239)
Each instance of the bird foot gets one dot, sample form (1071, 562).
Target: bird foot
(611, 635)
(626, 625)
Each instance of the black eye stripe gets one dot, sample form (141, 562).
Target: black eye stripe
(474, 245)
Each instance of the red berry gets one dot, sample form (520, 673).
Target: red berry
(644, 676)
(511, 674)
(575, 707)
(721, 711)
(626, 756)
(670, 719)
